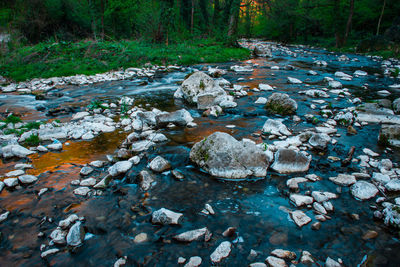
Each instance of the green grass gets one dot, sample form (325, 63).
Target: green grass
(87, 57)
(32, 140)
(12, 119)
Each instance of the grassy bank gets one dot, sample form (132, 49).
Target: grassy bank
(87, 57)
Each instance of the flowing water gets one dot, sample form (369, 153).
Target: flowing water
(258, 208)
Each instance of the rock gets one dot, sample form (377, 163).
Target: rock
(319, 208)
(293, 183)
(194, 262)
(177, 175)
(49, 252)
(284, 254)
(306, 258)
(257, 264)
(300, 218)
(370, 234)
(363, 190)
(10, 182)
(290, 161)
(75, 235)
(88, 182)
(1, 186)
(300, 200)
(190, 236)
(360, 73)
(119, 168)
(141, 146)
(15, 173)
(181, 118)
(370, 153)
(82, 191)
(64, 224)
(393, 185)
(221, 155)
(4, 216)
(275, 262)
(80, 115)
(396, 105)
(146, 179)
(97, 163)
(265, 87)
(27, 179)
(181, 260)
(380, 178)
(23, 166)
(231, 231)
(316, 226)
(293, 80)
(343, 179)
(165, 216)
(120, 262)
(15, 151)
(140, 238)
(323, 196)
(332, 263)
(261, 100)
(335, 84)
(275, 127)
(159, 164)
(86, 171)
(57, 146)
(319, 141)
(58, 236)
(279, 103)
(221, 252)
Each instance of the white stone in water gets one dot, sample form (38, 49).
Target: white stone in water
(319, 208)
(343, 179)
(293, 80)
(283, 254)
(300, 200)
(42, 148)
(165, 216)
(82, 191)
(119, 168)
(380, 177)
(370, 153)
(335, 84)
(326, 130)
(265, 87)
(97, 163)
(140, 238)
(363, 190)
(88, 182)
(323, 196)
(15, 173)
(384, 93)
(194, 262)
(261, 100)
(23, 166)
(332, 263)
(275, 262)
(80, 115)
(75, 235)
(16, 151)
(58, 236)
(293, 183)
(27, 179)
(360, 73)
(300, 218)
(49, 252)
(328, 206)
(142, 145)
(159, 164)
(275, 127)
(4, 216)
(190, 236)
(181, 260)
(64, 224)
(55, 146)
(86, 170)
(221, 252)
(289, 161)
(306, 258)
(11, 182)
(393, 185)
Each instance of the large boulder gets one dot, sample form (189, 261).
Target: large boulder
(15, 151)
(180, 117)
(200, 89)
(279, 103)
(290, 161)
(221, 155)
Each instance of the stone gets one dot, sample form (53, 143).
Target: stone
(4, 216)
(275, 127)
(16, 151)
(140, 238)
(64, 224)
(223, 156)
(181, 118)
(15, 173)
(27, 179)
(370, 153)
(306, 258)
(332, 263)
(177, 175)
(181, 260)
(97, 163)
(192, 235)
(319, 141)
(319, 208)
(293, 183)
(49, 252)
(119, 168)
(141, 146)
(284, 254)
(261, 100)
(75, 235)
(57, 146)
(290, 161)
(323, 196)
(120, 262)
(300, 218)
(82, 191)
(300, 200)
(159, 164)
(10, 182)
(279, 103)
(363, 190)
(80, 115)
(165, 216)
(380, 178)
(343, 179)
(316, 226)
(58, 236)
(86, 171)
(221, 252)
(370, 234)
(275, 262)
(265, 87)
(88, 182)
(393, 185)
(293, 80)
(194, 262)
(257, 264)
(146, 179)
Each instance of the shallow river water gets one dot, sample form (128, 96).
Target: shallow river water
(257, 208)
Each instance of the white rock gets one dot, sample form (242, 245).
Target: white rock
(265, 87)
(82, 191)
(300, 200)
(27, 179)
(11, 182)
(15, 173)
(221, 252)
(16, 151)
(165, 216)
(393, 185)
(119, 168)
(190, 236)
(323, 196)
(88, 182)
(194, 262)
(75, 235)
(300, 218)
(275, 262)
(293, 80)
(363, 190)
(343, 179)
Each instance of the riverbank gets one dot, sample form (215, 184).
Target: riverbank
(46, 60)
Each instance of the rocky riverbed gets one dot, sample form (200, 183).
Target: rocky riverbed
(290, 158)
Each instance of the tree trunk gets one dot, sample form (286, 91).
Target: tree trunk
(102, 19)
(338, 37)
(192, 18)
(233, 19)
(349, 19)
(380, 17)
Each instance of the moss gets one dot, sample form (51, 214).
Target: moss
(277, 108)
(32, 140)
(12, 119)
(202, 85)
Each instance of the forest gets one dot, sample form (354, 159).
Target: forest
(369, 25)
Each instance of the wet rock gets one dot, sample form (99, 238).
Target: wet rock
(194, 262)
(97, 163)
(49, 252)
(281, 104)
(15, 173)
(319, 208)
(4, 216)
(120, 262)
(181, 118)
(293, 80)
(335, 84)
(1, 186)
(343, 179)
(306, 258)
(370, 234)
(64, 224)
(82, 191)
(15, 151)
(396, 105)
(257, 264)
(165, 216)
(223, 156)
(146, 179)
(86, 171)
(119, 168)
(380, 178)
(393, 185)
(319, 141)
(221, 252)
(332, 263)
(261, 100)
(363, 190)
(57, 146)
(284, 254)
(265, 87)
(88, 182)
(293, 183)
(316, 226)
(140, 238)
(177, 175)
(290, 161)
(275, 127)
(181, 260)
(159, 164)
(80, 115)
(300, 200)
(190, 236)
(323, 196)
(10, 182)
(58, 236)
(300, 218)
(141, 146)
(75, 235)
(275, 262)
(27, 179)
(231, 231)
